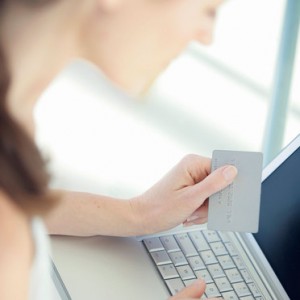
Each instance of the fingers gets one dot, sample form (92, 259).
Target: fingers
(197, 221)
(199, 216)
(200, 212)
(198, 167)
(213, 183)
(193, 291)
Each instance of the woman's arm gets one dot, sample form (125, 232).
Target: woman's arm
(83, 214)
(179, 197)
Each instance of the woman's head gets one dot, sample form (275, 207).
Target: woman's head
(132, 41)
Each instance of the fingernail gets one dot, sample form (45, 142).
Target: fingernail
(229, 173)
(187, 224)
(199, 280)
(191, 218)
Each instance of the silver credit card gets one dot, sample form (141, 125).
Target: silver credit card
(236, 208)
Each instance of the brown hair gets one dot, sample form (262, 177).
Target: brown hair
(22, 169)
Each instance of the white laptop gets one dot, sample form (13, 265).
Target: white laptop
(265, 265)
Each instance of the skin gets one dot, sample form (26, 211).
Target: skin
(14, 264)
(141, 39)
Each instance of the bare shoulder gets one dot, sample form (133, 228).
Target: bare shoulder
(16, 250)
(13, 222)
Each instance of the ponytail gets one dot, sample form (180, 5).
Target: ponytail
(22, 169)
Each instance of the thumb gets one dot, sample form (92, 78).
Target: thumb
(195, 290)
(214, 182)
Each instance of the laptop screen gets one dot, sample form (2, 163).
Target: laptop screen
(279, 230)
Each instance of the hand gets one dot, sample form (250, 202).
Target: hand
(181, 196)
(194, 291)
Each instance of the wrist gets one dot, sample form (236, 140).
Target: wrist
(140, 216)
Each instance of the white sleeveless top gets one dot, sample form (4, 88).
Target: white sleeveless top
(40, 281)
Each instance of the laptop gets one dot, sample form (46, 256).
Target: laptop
(265, 265)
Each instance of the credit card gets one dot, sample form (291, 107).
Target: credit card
(236, 208)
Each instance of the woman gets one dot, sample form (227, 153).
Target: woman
(132, 41)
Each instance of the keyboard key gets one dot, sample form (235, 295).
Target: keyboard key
(238, 262)
(218, 248)
(230, 296)
(241, 289)
(248, 298)
(178, 258)
(215, 271)
(208, 257)
(226, 262)
(161, 258)
(196, 263)
(254, 290)
(211, 236)
(212, 290)
(233, 275)
(186, 272)
(231, 249)
(223, 284)
(168, 271)
(175, 285)
(223, 236)
(186, 244)
(169, 243)
(246, 276)
(199, 240)
(153, 244)
(204, 274)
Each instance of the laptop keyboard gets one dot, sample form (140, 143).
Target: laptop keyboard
(184, 257)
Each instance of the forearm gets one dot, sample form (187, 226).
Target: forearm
(179, 196)
(84, 214)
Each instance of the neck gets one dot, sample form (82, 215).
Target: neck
(37, 50)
